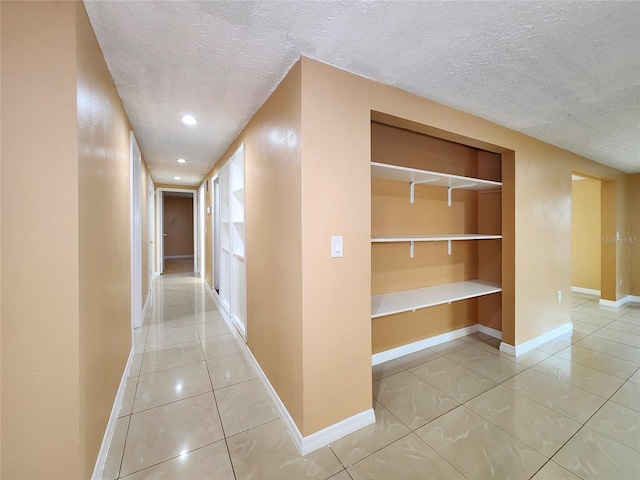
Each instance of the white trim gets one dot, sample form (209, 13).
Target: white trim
(111, 425)
(620, 302)
(135, 236)
(148, 303)
(492, 332)
(177, 256)
(561, 331)
(398, 352)
(586, 291)
(319, 439)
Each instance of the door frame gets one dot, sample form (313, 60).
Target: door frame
(135, 203)
(215, 231)
(160, 191)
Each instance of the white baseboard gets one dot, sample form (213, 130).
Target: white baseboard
(620, 302)
(169, 257)
(586, 291)
(148, 304)
(398, 352)
(492, 332)
(561, 331)
(111, 424)
(310, 443)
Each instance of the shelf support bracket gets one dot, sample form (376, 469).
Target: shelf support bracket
(449, 247)
(466, 185)
(412, 248)
(413, 184)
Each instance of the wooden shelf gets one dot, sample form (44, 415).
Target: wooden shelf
(238, 256)
(407, 300)
(433, 238)
(239, 194)
(412, 175)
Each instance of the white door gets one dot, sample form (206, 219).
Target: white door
(202, 230)
(151, 229)
(215, 227)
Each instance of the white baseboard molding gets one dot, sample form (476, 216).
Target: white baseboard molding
(561, 331)
(620, 302)
(169, 257)
(398, 352)
(111, 424)
(148, 304)
(492, 332)
(586, 291)
(310, 443)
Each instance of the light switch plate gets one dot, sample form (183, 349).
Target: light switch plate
(336, 246)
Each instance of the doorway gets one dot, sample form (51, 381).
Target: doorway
(177, 230)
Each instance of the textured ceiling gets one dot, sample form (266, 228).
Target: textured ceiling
(565, 72)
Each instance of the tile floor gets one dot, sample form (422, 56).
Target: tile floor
(194, 408)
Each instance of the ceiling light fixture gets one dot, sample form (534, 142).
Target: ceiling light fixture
(181, 160)
(176, 178)
(189, 119)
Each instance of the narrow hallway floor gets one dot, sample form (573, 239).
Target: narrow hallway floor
(194, 408)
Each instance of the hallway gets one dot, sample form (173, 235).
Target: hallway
(195, 409)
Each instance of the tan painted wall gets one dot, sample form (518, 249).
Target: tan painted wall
(66, 309)
(536, 233)
(178, 226)
(273, 229)
(586, 241)
(104, 245)
(633, 231)
(40, 299)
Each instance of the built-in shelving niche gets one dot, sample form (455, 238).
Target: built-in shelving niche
(436, 236)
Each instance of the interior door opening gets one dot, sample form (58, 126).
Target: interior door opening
(177, 231)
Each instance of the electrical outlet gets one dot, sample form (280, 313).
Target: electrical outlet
(620, 282)
(559, 296)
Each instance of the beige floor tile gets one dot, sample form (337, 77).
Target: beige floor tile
(207, 316)
(172, 311)
(267, 452)
(207, 463)
(407, 458)
(490, 365)
(162, 323)
(599, 361)
(384, 370)
(586, 378)
(618, 422)
(139, 341)
(628, 395)
(539, 427)
(617, 336)
(626, 352)
(172, 356)
(244, 406)
(229, 370)
(625, 327)
(412, 400)
(584, 327)
(479, 449)
(357, 445)
(529, 358)
(450, 347)
(173, 384)
(417, 358)
(163, 302)
(604, 312)
(457, 381)
(171, 336)
(165, 432)
(554, 346)
(136, 364)
(201, 304)
(565, 399)
(129, 395)
(219, 346)
(116, 449)
(341, 475)
(553, 471)
(591, 455)
(635, 378)
(590, 318)
(213, 329)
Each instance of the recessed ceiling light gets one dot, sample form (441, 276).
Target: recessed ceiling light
(189, 119)
(181, 160)
(176, 178)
